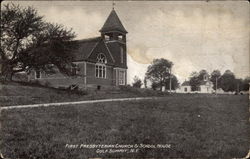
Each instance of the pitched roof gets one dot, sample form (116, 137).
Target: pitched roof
(84, 47)
(113, 23)
(186, 83)
(114, 48)
(205, 82)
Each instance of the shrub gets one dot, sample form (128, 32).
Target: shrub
(36, 83)
(47, 84)
(80, 92)
(137, 82)
(142, 91)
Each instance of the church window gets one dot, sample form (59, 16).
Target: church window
(100, 71)
(101, 58)
(74, 69)
(121, 77)
(100, 67)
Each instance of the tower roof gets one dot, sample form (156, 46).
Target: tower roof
(113, 23)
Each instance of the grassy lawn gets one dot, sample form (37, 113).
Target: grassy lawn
(196, 126)
(19, 94)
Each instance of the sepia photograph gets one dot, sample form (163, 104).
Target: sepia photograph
(124, 79)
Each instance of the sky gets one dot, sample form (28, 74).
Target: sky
(194, 35)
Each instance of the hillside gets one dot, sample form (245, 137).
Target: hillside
(22, 93)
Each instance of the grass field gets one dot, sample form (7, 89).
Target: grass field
(196, 126)
(19, 94)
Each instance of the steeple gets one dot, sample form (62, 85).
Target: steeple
(113, 5)
(113, 34)
(113, 24)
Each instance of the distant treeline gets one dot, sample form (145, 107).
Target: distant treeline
(226, 81)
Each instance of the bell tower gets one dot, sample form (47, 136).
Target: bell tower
(113, 28)
(114, 34)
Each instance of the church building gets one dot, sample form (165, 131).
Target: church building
(99, 62)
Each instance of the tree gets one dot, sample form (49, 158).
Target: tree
(174, 83)
(228, 81)
(28, 42)
(215, 76)
(159, 71)
(246, 83)
(239, 82)
(194, 81)
(203, 75)
(145, 82)
(155, 85)
(137, 82)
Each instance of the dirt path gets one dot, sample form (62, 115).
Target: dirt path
(74, 103)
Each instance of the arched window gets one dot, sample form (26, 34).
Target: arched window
(100, 67)
(205, 77)
(101, 58)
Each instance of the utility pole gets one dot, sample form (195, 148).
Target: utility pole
(170, 80)
(216, 80)
(238, 91)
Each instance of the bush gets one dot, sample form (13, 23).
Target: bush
(137, 82)
(2, 81)
(142, 91)
(47, 84)
(36, 83)
(76, 90)
(80, 92)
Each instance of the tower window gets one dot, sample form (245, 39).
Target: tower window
(107, 37)
(205, 77)
(122, 52)
(120, 37)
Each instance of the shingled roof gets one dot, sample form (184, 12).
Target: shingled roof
(115, 47)
(113, 23)
(186, 83)
(84, 48)
(205, 82)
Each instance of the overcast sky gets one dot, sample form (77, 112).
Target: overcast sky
(193, 35)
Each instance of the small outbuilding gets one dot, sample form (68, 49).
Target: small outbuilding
(185, 87)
